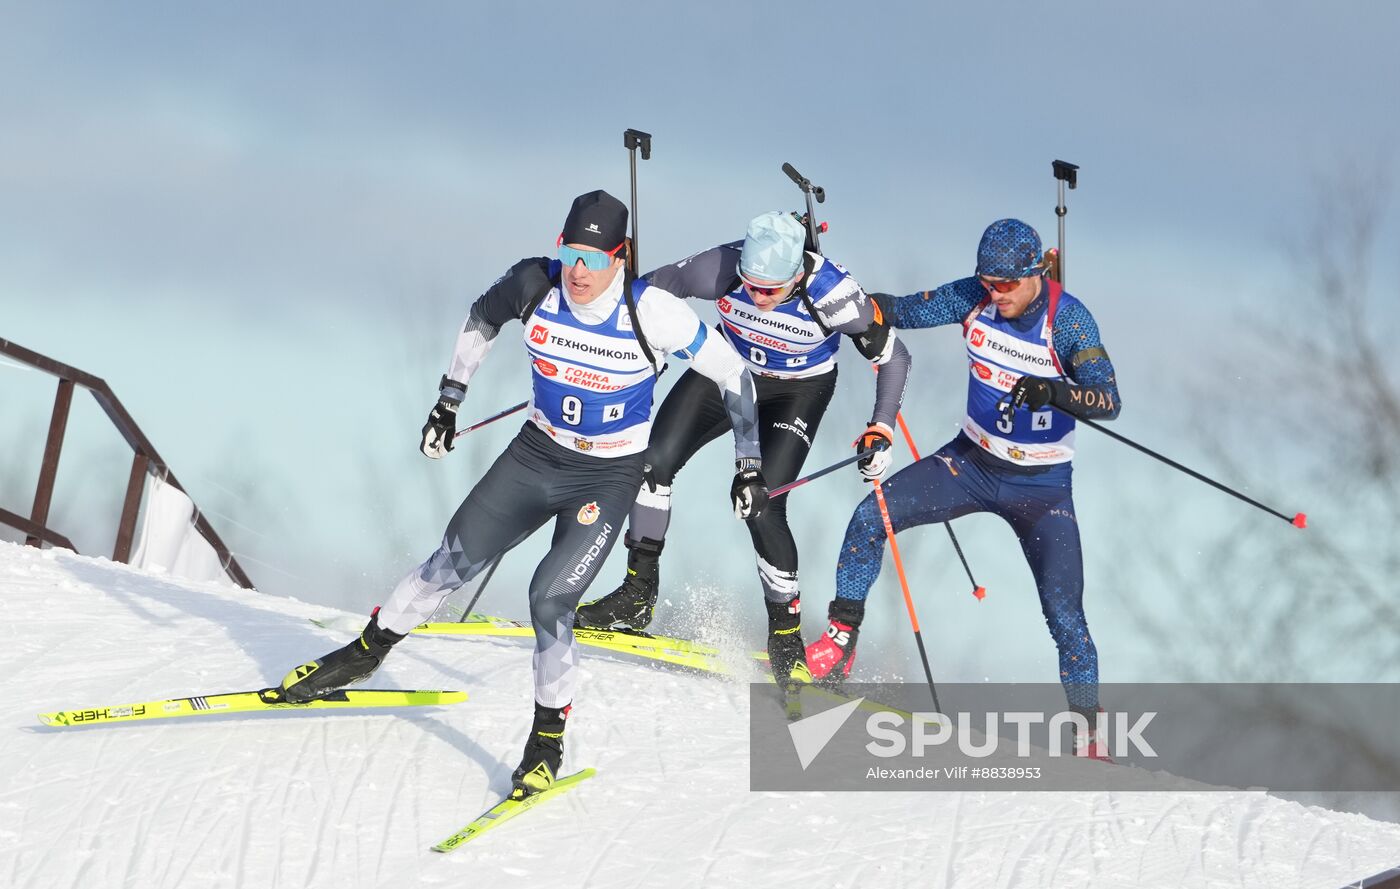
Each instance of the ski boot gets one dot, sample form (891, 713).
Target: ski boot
(830, 657)
(631, 604)
(353, 663)
(544, 752)
(1088, 743)
(786, 656)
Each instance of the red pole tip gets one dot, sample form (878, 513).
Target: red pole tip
(823, 228)
(980, 593)
(1300, 520)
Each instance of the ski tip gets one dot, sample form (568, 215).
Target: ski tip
(52, 719)
(508, 808)
(980, 593)
(1300, 520)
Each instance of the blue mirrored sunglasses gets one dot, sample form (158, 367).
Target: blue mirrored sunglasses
(593, 260)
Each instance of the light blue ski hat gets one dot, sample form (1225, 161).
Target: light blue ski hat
(772, 247)
(1009, 249)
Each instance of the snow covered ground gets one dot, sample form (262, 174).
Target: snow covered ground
(355, 798)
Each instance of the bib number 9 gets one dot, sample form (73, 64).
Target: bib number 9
(572, 409)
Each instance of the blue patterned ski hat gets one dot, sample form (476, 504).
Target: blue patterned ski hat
(772, 247)
(1009, 249)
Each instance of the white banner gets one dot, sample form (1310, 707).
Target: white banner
(169, 543)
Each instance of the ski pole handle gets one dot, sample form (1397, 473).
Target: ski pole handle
(491, 419)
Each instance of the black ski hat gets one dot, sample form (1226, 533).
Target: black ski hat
(596, 219)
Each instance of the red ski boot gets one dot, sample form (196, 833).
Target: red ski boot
(830, 658)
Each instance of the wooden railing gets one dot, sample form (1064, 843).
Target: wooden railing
(144, 460)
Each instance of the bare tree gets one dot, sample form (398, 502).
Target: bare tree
(1324, 604)
(1264, 604)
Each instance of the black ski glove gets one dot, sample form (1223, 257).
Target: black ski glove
(749, 493)
(440, 430)
(1033, 393)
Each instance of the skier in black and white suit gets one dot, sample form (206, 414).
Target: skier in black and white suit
(783, 310)
(596, 337)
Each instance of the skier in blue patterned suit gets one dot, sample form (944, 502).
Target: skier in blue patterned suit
(784, 310)
(1032, 347)
(592, 331)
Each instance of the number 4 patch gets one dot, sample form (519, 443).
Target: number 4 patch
(613, 412)
(1041, 419)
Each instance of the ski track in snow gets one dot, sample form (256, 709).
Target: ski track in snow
(349, 799)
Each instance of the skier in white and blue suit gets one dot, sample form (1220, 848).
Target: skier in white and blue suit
(784, 310)
(596, 336)
(1031, 347)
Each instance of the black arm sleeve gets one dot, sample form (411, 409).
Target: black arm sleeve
(706, 275)
(514, 292)
(871, 343)
(510, 298)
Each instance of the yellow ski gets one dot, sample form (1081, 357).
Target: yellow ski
(484, 625)
(508, 808)
(245, 701)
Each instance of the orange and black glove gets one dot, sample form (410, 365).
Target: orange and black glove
(878, 447)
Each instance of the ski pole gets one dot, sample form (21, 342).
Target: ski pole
(904, 585)
(979, 592)
(1299, 520)
(1067, 174)
(783, 489)
(633, 140)
(493, 418)
(496, 562)
(490, 570)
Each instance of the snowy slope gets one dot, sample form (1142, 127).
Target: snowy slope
(355, 799)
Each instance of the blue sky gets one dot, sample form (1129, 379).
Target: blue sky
(263, 226)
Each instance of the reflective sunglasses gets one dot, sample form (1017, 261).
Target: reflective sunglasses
(767, 289)
(1000, 286)
(593, 260)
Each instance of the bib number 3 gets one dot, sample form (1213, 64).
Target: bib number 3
(1006, 421)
